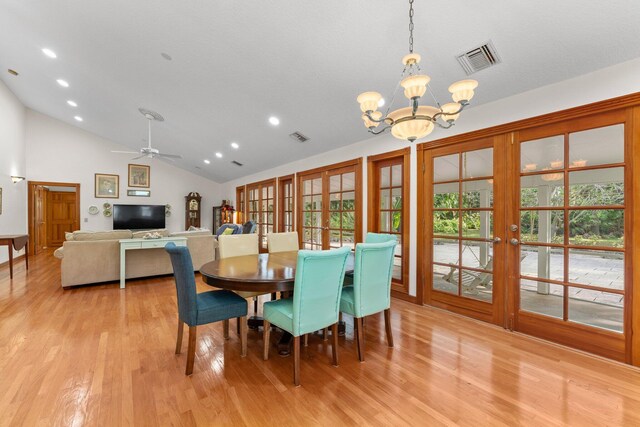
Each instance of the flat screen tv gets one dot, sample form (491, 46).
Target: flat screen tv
(138, 217)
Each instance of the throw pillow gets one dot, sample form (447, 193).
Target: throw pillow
(227, 231)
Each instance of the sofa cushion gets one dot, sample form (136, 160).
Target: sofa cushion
(191, 233)
(68, 235)
(140, 234)
(83, 236)
(59, 253)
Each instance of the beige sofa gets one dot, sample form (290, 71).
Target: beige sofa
(93, 257)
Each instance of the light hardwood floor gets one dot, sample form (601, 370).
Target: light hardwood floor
(99, 355)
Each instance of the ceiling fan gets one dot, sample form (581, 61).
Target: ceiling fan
(149, 151)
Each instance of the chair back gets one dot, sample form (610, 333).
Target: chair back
(185, 282)
(249, 227)
(373, 271)
(236, 229)
(379, 238)
(317, 289)
(282, 242)
(237, 245)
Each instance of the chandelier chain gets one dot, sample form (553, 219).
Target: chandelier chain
(410, 26)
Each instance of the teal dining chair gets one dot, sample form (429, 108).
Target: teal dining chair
(379, 238)
(371, 289)
(315, 302)
(201, 308)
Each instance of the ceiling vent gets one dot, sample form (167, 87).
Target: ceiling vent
(299, 137)
(479, 58)
(237, 163)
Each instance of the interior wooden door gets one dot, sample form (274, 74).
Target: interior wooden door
(61, 216)
(570, 234)
(465, 228)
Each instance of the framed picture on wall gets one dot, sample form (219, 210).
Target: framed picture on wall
(107, 186)
(139, 176)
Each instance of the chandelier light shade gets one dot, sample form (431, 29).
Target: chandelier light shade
(415, 121)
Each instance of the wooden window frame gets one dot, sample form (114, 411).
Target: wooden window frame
(282, 181)
(400, 290)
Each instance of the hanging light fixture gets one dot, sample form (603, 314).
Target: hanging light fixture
(415, 121)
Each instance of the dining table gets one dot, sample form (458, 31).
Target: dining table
(261, 273)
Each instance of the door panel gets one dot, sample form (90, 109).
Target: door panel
(61, 216)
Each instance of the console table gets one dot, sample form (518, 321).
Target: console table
(17, 242)
(129, 244)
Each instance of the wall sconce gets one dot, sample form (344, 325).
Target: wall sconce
(17, 179)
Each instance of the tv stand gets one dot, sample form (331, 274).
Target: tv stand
(129, 244)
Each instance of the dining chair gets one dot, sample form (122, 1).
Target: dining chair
(371, 289)
(201, 308)
(240, 245)
(282, 242)
(315, 302)
(379, 238)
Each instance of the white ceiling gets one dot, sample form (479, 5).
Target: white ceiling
(236, 63)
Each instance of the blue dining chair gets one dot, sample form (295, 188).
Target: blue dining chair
(371, 289)
(379, 238)
(201, 308)
(315, 302)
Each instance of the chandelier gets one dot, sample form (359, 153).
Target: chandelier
(415, 121)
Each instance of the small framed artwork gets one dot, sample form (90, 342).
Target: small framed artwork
(139, 193)
(107, 186)
(139, 176)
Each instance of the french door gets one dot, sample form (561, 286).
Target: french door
(531, 230)
(330, 209)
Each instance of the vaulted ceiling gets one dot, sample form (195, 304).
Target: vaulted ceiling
(235, 64)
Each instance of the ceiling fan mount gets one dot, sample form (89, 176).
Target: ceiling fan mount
(149, 151)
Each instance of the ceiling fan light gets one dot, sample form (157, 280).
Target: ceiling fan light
(462, 91)
(369, 101)
(368, 123)
(415, 86)
(451, 107)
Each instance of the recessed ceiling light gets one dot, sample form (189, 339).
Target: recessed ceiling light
(78, 118)
(49, 53)
(12, 72)
(381, 102)
(72, 103)
(166, 56)
(62, 83)
(235, 145)
(207, 161)
(274, 120)
(219, 155)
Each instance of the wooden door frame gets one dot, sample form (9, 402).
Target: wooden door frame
(259, 185)
(281, 181)
(30, 213)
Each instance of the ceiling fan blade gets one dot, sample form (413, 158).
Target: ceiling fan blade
(125, 152)
(139, 157)
(170, 156)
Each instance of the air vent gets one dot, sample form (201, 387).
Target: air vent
(479, 58)
(299, 137)
(237, 163)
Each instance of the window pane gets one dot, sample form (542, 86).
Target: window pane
(317, 186)
(477, 224)
(445, 251)
(384, 222)
(542, 153)
(445, 223)
(446, 196)
(348, 181)
(334, 201)
(396, 198)
(542, 190)
(477, 285)
(396, 175)
(348, 220)
(306, 203)
(445, 279)
(316, 204)
(385, 177)
(596, 308)
(596, 187)
(477, 255)
(597, 227)
(306, 187)
(334, 220)
(348, 239)
(349, 201)
(396, 221)
(446, 168)
(477, 194)
(477, 163)
(385, 199)
(542, 262)
(541, 298)
(542, 226)
(597, 146)
(597, 268)
(334, 183)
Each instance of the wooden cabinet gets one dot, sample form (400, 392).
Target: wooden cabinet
(192, 210)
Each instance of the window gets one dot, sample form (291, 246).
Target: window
(240, 204)
(261, 209)
(285, 203)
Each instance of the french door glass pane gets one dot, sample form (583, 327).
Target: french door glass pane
(446, 196)
(596, 308)
(542, 298)
(597, 227)
(477, 255)
(477, 163)
(396, 175)
(542, 153)
(542, 190)
(446, 251)
(385, 177)
(446, 279)
(542, 226)
(599, 146)
(477, 285)
(348, 181)
(542, 262)
(446, 168)
(477, 194)
(604, 269)
(596, 187)
(446, 223)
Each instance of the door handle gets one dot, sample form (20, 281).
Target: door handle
(497, 240)
(514, 242)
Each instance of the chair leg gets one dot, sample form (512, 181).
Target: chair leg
(360, 338)
(191, 352)
(387, 326)
(238, 326)
(334, 346)
(274, 296)
(255, 304)
(325, 334)
(306, 340)
(243, 335)
(296, 360)
(225, 328)
(266, 326)
(179, 340)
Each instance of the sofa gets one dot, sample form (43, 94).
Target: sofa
(94, 257)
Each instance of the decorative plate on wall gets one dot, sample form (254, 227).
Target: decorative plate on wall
(93, 210)
(107, 212)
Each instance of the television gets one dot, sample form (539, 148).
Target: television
(138, 217)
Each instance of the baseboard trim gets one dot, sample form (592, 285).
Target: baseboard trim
(404, 297)
(6, 263)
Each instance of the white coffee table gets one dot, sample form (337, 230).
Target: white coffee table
(129, 244)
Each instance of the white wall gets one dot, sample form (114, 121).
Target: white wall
(607, 83)
(12, 163)
(59, 152)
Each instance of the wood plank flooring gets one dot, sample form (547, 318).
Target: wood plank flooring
(98, 355)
